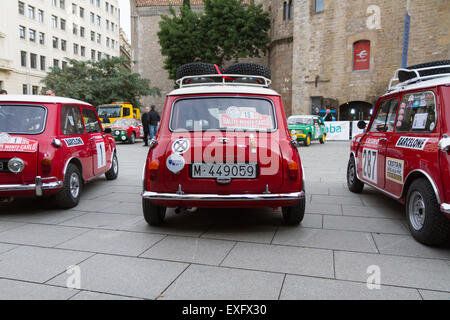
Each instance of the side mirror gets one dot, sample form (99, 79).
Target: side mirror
(107, 130)
(361, 124)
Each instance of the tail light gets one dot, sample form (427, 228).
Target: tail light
(293, 170)
(153, 168)
(46, 164)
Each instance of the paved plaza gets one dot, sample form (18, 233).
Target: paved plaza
(218, 254)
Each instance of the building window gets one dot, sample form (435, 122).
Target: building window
(23, 58)
(54, 3)
(97, 2)
(41, 38)
(33, 61)
(35, 90)
(290, 10)
(99, 38)
(32, 35)
(361, 55)
(106, 6)
(22, 31)
(30, 12)
(75, 29)
(63, 45)
(75, 48)
(107, 42)
(112, 26)
(98, 20)
(99, 56)
(25, 89)
(62, 4)
(81, 12)
(92, 1)
(64, 64)
(83, 51)
(92, 36)
(63, 24)
(319, 5)
(111, 7)
(93, 55)
(55, 42)
(42, 63)
(74, 8)
(54, 21)
(112, 43)
(82, 32)
(92, 16)
(107, 24)
(41, 16)
(55, 63)
(285, 10)
(21, 8)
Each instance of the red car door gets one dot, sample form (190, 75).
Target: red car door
(99, 146)
(372, 157)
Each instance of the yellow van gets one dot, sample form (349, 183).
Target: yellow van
(108, 113)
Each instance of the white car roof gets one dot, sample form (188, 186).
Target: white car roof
(420, 85)
(302, 116)
(39, 99)
(223, 89)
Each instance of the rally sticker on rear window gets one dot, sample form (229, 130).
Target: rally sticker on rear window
(17, 144)
(370, 164)
(394, 170)
(73, 142)
(244, 118)
(412, 143)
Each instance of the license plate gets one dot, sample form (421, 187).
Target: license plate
(1, 165)
(224, 170)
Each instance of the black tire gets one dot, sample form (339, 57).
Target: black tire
(253, 69)
(153, 214)
(132, 139)
(404, 76)
(294, 215)
(113, 172)
(435, 229)
(196, 69)
(68, 198)
(323, 138)
(307, 141)
(353, 183)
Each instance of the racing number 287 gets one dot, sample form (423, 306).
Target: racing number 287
(369, 164)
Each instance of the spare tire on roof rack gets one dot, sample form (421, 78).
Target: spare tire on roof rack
(198, 69)
(407, 75)
(250, 69)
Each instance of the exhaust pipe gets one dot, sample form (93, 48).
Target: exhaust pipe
(6, 199)
(179, 210)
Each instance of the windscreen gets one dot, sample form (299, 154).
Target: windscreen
(22, 119)
(223, 114)
(110, 111)
(123, 122)
(299, 120)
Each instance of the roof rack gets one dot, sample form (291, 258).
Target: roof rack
(417, 77)
(224, 79)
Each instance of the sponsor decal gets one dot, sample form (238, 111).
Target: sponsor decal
(101, 154)
(412, 143)
(175, 162)
(394, 170)
(420, 121)
(403, 105)
(411, 98)
(416, 104)
(370, 165)
(73, 142)
(17, 144)
(372, 141)
(244, 118)
(180, 146)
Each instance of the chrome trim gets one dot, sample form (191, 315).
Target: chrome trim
(445, 207)
(444, 144)
(429, 179)
(223, 197)
(38, 186)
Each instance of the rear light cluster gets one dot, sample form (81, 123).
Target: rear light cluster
(46, 165)
(153, 168)
(293, 170)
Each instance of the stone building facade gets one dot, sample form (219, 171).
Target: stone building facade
(313, 46)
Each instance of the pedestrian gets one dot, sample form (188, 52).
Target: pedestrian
(145, 124)
(50, 92)
(153, 119)
(328, 115)
(316, 111)
(3, 92)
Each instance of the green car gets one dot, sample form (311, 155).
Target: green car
(307, 128)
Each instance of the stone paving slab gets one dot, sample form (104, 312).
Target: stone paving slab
(113, 242)
(20, 290)
(7, 225)
(205, 282)
(435, 295)
(364, 224)
(387, 212)
(398, 271)
(89, 295)
(32, 215)
(302, 261)
(350, 200)
(6, 247)
(324, 208)
(133, 277)
(307, 288)
(103, 221)
(37, 264)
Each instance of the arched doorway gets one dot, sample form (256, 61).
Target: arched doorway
(355, 110)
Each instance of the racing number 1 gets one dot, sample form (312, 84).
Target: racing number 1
(370, 164)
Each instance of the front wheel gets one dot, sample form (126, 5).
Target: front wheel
(426, 222)
(69, 196)
(322, 139)
(113, 172)
(353, 183)
(307, 141)
(294, 215)
(132, 138)
(153, 214)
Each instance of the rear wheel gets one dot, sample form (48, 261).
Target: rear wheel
(132, 138)
(307, 140)
(426, 222)
(322, 139)
(153, 214)
(354, 184)
(69, 196)
(294, 215)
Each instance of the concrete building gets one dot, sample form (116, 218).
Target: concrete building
(125, 48)
(36, 35)
(323, 53)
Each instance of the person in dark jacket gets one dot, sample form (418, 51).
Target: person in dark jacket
(328, 116)
(145, 124)
(153, 120)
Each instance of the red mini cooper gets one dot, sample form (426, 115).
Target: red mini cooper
(51, 146)
(404, 151)
(223, 141)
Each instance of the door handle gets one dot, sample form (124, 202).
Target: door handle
(383, 139)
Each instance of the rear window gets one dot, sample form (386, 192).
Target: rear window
(22, 119)
(223, 114)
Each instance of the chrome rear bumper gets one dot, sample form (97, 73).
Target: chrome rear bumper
(445, 208)
(38, 187)
(224, 197)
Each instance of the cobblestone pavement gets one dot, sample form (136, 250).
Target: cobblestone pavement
(219, 254)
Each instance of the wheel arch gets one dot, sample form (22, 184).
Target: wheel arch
(76, 162)
(417, 174)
